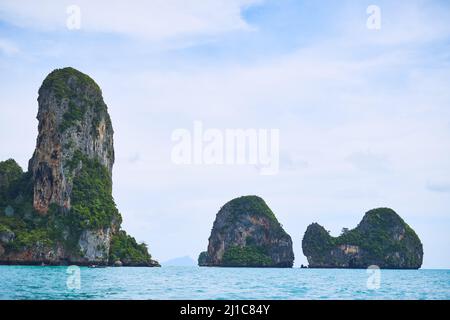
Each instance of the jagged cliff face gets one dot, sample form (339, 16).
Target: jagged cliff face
(247, 233)
(72, 118)
(62, 211)
(382, 238)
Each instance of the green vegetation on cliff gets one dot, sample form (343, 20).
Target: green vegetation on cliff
(92, 201)
(92, 207)
(318, 243)
(249, 205)
(248, 256)
(74, 115)
(375, 235)
(381, 238)
(10, 172)
(203, 258)
(127, 250)
(56, 81)
(81, 93)
(30, 228)
(18, 216)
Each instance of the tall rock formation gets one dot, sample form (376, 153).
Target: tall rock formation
(382, 238)
(62, 211)
(73, 119)
(246, 233)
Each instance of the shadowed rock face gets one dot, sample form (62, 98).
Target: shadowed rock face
(246, 233)
(62, 211)
(72, 118)
(382, 238)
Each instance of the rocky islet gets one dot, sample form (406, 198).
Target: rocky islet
(61, 211)
(382, 238)
(246, 233)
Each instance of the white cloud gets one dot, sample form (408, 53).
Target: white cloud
(8, 47)
(155, 19)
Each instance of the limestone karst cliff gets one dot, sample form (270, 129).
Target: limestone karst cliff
(246, 233)
(382, 238)
(73, 121)
(62, 211)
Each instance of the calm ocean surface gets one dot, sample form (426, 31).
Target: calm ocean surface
(24, 282)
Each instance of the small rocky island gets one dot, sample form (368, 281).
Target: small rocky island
(61, 211)
(382, 238)
(246, 233)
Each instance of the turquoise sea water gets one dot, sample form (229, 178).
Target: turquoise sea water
(29, 282)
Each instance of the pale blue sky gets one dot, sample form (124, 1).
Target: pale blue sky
(364, 115)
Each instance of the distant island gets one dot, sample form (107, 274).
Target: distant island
(246, 233)
(61, 211)
(382, 238)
